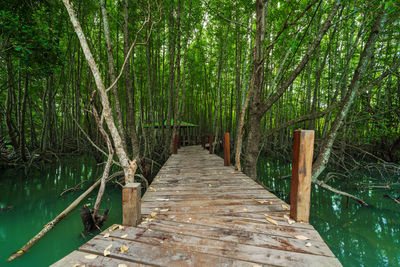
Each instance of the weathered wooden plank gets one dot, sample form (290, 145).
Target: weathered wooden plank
(78, 258)
(240, 236)
(241, 224)
(230, 250)
(156, 254)
(252, 220)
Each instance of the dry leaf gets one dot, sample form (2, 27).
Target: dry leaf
(290, 221)
(149, 230)
(209, 185)
(152, 188)
(308, 244)
(256, 265)
(301, 237)
(124, 236)
(113, 228)
(122, 265)
(156, 209)
(285, 207)
(106, 235)
(107, 251)
(164, 210)
(266, 214)
(76, 265)
(120, 227)
(245, 210)
(271, 221)
(124, 248)
(153, 214)
(271, 202)
(261, 201)
(90, 256)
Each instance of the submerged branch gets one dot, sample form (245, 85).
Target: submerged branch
(337, 191)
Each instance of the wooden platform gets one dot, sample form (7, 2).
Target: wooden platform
(199, 213)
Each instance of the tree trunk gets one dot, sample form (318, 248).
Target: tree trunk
(111, 71)
(128, 166)
(324, 154)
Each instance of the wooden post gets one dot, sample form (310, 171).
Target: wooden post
(303, 148)
(211, 143)
(175, 144)
(203, 142)
(195, 140)
(183, 140)
(227, 151)
(179, 141)
(131, 214)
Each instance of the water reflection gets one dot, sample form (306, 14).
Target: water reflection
(358, 236)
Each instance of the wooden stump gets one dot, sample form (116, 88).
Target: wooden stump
(227, 151)
(303, 148)
(131, 213)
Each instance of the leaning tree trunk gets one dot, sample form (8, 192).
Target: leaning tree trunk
(127, 165)
(326, 148)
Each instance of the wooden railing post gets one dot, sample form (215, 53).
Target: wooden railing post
(175, 144)
(303, 148)
(131, 213)
(227, 151)
(179, 141)
(203, 142)
(211, 143)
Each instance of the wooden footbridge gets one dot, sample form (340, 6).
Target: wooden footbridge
(198, 212)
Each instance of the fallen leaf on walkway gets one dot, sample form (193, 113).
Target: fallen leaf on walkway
(106, 235)
(301, 237)
(153, 214)
(245, 210)
(122, 265)
(261, 201)
(120, 227)
(290, 221)
(285, 207)
(124, 236)
(107, 251)
(124, 248)
(164, 210)
(271, 221)
(209, 185)
(90, 256)
(152, 188)
(308, 244)
(113, 228)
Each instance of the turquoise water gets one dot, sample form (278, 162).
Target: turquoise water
(35, 200)
(358, 236)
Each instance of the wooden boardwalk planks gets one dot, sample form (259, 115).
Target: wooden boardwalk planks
(199, 213)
